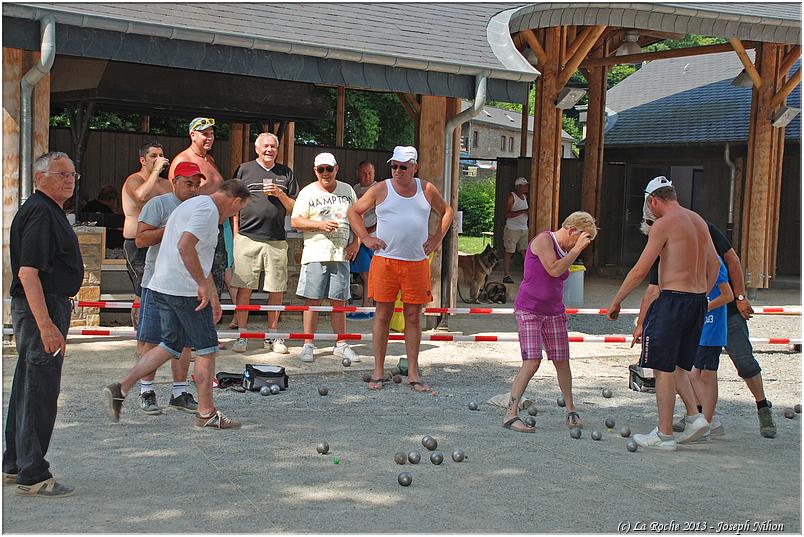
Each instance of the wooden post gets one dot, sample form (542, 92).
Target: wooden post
(450, 253)
(235, 147)
(145, 124)
(340, 117)
(288, 144)
(523, 129)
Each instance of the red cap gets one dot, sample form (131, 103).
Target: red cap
(187, 169)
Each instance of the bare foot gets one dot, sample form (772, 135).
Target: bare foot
(375, 384)
(418, 386)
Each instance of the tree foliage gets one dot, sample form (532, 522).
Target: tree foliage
(476, 200)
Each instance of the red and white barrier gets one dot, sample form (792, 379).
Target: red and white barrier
(125, 331)
(765, 310)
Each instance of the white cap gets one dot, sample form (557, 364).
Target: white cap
(520, 181)
(404, 153)
(328, 159)
(655, 184)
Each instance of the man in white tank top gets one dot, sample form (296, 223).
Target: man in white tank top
(401, 247)
(515, 234)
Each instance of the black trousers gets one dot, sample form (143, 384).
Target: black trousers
(34, 392)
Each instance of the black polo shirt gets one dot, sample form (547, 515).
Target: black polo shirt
(264, 218)
(42, 238)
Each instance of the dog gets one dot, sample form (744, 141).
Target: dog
(473, 269)
(494, 292)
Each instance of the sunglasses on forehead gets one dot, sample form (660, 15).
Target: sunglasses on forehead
(402, 167)
(202, 122)
(322, 169)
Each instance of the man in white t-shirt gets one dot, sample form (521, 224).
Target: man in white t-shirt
(185, 293)
(515, 234)
(150, 228)
(329, 246)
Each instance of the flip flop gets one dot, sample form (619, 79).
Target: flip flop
(574, 420)
(414, 385)
(376, 382)
(509, 425)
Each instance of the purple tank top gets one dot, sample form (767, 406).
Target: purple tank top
(539, 292)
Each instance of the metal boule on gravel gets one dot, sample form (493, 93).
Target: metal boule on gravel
(526, 404)
(397, 379)
(575, 432)
(436, 457)
(625, 432)
(458, 455)
(275, 389)
(789, 413)
(596, 435)
(429, 442)
(346, 362)
(265, 390)
(797, 409)
(560, 402)
(322, 448)
(473, 405)
(386, 376)
(607, 393)
(405, 478)
(631, 446)
(366, 377)
(532, 410)
(396, 371)
(610, 423)
(323, 390)
(530, 421)
(414, 457)
(400, 458)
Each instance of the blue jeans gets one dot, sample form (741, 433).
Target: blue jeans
(34, 392)
(149, 327)
(739, 347)
(182, 326)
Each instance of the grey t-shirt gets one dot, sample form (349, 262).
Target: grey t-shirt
(156, 213)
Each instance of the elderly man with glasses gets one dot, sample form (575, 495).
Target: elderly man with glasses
(46, 270)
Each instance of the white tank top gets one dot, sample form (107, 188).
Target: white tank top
(519, 221)
(402, 224)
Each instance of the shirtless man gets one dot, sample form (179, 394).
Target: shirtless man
(202, 136)
(688, 268)
(138, 188)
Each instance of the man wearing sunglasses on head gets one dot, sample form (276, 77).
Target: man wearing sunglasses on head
(401, 249)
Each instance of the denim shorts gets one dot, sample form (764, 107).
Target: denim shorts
(149, 328)
(182, 326)
(325, 280)
(739, 347)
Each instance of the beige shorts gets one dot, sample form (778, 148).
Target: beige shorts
(515, 240)
(254, 257)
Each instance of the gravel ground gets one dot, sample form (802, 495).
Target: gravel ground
(156, 474)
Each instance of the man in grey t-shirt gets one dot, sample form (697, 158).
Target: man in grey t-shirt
(150, 228)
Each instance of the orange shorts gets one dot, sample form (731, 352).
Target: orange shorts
(389, 276)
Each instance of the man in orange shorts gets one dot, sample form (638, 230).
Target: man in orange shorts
(401, 249)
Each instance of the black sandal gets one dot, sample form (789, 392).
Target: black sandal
(574, 420)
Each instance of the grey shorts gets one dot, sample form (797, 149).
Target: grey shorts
(325, 280)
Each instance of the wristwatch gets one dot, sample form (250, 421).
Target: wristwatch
(740, 298)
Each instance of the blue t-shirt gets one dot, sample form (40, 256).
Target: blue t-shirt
(714, 328)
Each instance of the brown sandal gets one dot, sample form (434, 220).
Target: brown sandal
(510, 425)
(415, 384)
(46, 489)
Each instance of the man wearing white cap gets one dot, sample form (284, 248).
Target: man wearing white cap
(329, 246)
(400, 263)
(688, 268)
(515, 234)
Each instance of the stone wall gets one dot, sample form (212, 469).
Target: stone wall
(91, 240)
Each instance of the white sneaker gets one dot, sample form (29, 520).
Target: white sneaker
(276, 345)
(716, 427)
(343, 350)
(654, 441)
(240, 345)
(307, 353)
(696, 428)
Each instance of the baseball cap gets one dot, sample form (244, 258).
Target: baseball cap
(520, 181)
(327, 159)
(188, 169)
(201, 123)
(655, 184)
(404, 153)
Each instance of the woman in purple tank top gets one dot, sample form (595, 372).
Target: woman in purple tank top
(539, 310)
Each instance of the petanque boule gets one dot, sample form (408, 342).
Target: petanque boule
(400, 458)
(560, 402)
(414, 457)
(458, 455)
(405, 478)
(596, 435)
(366, 377)
(625, 432)
(473, 405)
(575, 432)
(397, 379)
(532, 410)
(610, 423)
(323, 390)
(322, 448)
(789, 413)
(396, 371)
(346, 362)
(631, 446)
(530, 421)
(526, 404)
(429, 442)
(275, 389)
(436, 457)
(607, 393)
(797, 408)
(265, 390)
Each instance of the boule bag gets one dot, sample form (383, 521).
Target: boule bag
(257, 376)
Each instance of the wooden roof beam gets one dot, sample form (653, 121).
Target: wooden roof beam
(738, 47)
(790, 59)
(663, 54)
(579, 40)
(535, 46)
(785, 90)
(410, 104)
(580, 54)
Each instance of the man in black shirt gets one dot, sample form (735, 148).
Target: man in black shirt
(260, 242)
(47, 270)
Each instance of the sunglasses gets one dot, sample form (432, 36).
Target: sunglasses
(204, 121)
(402, 167)
(322, 169)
